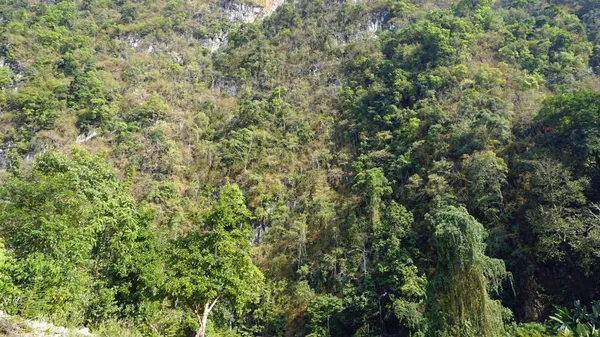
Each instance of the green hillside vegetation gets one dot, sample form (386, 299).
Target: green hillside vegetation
(333, 168)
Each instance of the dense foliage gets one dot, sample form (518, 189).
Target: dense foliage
(325, 168)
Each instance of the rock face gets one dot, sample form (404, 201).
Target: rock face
(82, 138)
(367, 29)
(239, 12)
(242, 12)
(16, 327)
(230, 11)
(214, 43)
(271, 5)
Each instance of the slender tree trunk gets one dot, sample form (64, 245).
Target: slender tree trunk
(201, 330)
(364, 256)
(203, 319)
(248, 155)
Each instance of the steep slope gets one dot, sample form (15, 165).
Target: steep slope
(398, 158)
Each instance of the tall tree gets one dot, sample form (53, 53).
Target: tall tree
(212, 262)
(459, 302)
(571, 122)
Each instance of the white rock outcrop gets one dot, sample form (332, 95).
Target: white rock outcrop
(242, 12)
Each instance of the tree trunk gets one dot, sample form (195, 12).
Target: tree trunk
(201, 331)
(364, 256)
(203, 319)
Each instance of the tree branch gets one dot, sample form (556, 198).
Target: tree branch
(213, 303)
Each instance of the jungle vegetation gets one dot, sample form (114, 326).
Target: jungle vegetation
(336, 168)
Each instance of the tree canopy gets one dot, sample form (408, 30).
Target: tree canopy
(301, 167)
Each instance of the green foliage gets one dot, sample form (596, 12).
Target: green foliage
(6, 76)
(571, 122)
(461, 304)
(557, 219)
(486, 175)
(212, 262)
(576, 322)
(530, 330)
(82, 249)
(39, 105)
(90, 96)
(387, 157)
(320, 312)
(374, 185)
(152, 110)
(7, 287)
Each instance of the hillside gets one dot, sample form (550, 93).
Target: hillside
(301, 167)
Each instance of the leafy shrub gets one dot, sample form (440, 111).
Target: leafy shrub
(577, 321)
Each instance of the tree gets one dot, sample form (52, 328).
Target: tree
(39, 105)
(6, 77)
(7, 287)
(238, 147)
(82, 249)
(460, 305)
(436, 44)
(212, 262)
(151, 111)
(320, 311)
(396, 276)
(91, 96)
(486, 174)
(571, 123)
(374, 185)
(46, 221)
(563, 225)
(558, 217)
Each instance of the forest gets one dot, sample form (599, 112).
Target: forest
(301, 168)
